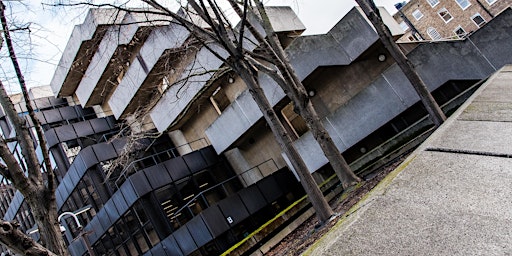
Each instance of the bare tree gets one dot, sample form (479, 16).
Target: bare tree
(436, 114)
(26, 174)
(222, 33)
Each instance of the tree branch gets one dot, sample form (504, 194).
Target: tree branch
(20, 243)
(26, 147)
(12, 169)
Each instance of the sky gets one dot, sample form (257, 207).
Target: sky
(39, 50)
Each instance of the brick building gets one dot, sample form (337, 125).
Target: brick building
(445, 19)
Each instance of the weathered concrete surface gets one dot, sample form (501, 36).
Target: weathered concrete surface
(452, 196)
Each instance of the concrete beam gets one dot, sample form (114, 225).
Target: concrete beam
(160, 40)
(386, 96)
(81, 46)
(116, 49)
(340, 46)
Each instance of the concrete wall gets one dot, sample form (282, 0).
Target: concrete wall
(77, 44)
(161, 39)
(195, 127)
(391, 93)
(260, 147)
(340, 46)
(388, 94)
(336, 85)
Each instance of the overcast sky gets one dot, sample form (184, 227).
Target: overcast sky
(51, 28)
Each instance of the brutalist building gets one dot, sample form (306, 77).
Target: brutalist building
(158, 157)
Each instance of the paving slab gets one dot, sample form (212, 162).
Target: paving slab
(487, 111)
(451, 196)
(500, 91)
(481, 136)
(440, 204)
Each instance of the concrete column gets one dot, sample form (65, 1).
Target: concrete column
(241, 167)
(180, 142)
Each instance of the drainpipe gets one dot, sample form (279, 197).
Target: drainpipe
(485, 9)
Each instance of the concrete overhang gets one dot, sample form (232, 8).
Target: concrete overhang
(170, 109)
(116, 50)
(80, 48)
(344, 43)
(388, 95)
(284, 19)
(164, 45)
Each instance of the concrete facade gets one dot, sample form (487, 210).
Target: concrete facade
(384, 97)
(215, 164)
(449, 197)
(110, 59)
(82, 44)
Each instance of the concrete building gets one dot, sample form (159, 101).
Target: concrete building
(209, 171)
(445, 19)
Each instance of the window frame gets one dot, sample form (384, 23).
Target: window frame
(478, 15)
(433, 5)
(460, 5)
(417, 11)
(457, 35)
(447, 13)
(491, 2)
(404, 26)
(432, 35)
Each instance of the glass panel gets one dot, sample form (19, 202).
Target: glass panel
(417, 14)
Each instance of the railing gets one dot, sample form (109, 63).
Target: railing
(222, 184)
(156, 158)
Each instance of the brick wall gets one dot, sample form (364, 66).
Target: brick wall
(456, 16)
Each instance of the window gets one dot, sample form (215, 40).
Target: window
(445, 15)
(478, 19)
(433, 2)
(432, 32)
(219, 100)
(463, 4)
(491, 1)
(295, 121)
(404, 26)
(164, 85)
(459, 32)
(417, 14)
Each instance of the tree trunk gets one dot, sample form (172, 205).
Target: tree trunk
(20, 243)
(46, 219)
(322, 208)
(436, 114)
(296, 91)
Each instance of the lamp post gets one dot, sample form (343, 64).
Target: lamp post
(82, 234)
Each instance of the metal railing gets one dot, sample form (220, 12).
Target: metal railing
(222, 185)
(154, 159)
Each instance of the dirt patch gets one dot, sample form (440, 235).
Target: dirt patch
(309, 232)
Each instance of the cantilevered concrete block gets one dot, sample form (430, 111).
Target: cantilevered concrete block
(351, 37)
(179, 97)
(81, 46)
(115, 51)
(161, 40)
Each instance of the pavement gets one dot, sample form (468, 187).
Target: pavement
(451, 196)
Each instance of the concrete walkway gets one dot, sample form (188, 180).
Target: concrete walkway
(452, 196)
